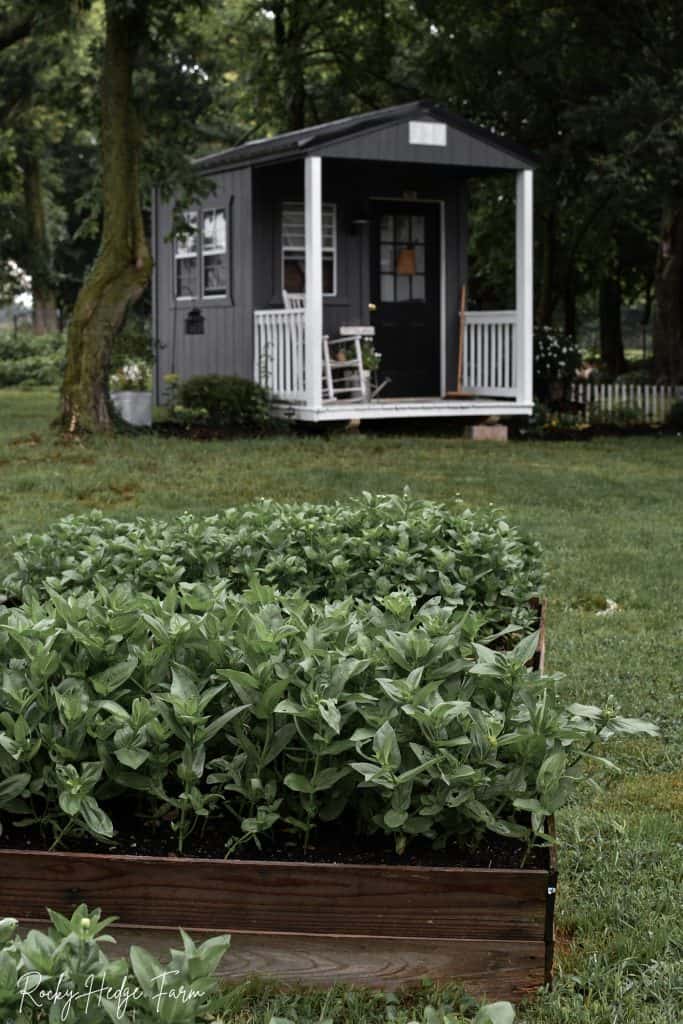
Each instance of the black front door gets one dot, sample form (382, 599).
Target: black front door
(404, 290)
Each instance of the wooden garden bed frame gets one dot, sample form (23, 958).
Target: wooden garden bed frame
(377, 925)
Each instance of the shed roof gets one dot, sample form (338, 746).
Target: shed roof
(384, 135)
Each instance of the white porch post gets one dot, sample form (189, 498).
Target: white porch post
(524, 285)
(313, 199)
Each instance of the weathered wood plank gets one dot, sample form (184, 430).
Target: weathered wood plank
(267, 896)
(497, 970)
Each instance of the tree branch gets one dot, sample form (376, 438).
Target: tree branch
(16, 29)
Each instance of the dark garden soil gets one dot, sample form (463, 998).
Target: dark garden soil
(336, 844)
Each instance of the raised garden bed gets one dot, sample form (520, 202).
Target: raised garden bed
(382, 925)
(296, 722)
(376, 925)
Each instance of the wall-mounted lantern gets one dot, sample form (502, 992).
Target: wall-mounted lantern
(194, 322)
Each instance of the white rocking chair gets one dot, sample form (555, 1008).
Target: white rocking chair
(293, 300)
(343, 377)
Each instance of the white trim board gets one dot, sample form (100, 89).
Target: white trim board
(401, 408)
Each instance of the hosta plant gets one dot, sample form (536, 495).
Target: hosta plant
(267, 716)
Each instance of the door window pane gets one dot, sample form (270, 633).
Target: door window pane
(402, 229)
(418, 286)
(402, 288)
(420, 259)
(386, 228)
(387, 287)
(386, 259)
(418, 229)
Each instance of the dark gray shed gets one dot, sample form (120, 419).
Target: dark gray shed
(355, 227)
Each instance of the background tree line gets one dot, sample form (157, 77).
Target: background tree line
(101, 99)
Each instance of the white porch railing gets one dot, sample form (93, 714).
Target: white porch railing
(279, 353)
(653, 401)
(489, 364)
(489, 359)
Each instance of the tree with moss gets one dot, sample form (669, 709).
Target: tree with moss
(153, 94)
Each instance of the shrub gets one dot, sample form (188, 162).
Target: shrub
(29, 359)
(63, 974)
(675, 417)
(363, 547)
(272, 715)
(620, 415)
(556, 359)
(229, 402)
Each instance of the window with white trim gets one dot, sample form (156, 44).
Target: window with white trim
(214, 253)
(201, 259)
(294, 248)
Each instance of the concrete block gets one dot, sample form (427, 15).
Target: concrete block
(487, 432)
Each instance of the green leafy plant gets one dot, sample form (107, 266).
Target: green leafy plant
(364, 547)
(228, 402)
(675, 417)
(30, 360)
(272, 715)
(620, 415)
(63, 974)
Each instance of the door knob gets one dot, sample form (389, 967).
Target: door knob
(372, 307)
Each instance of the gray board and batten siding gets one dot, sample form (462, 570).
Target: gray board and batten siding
(226, 345)
(364, 158)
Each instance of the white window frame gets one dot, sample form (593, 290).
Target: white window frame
(214, 251)
(200, 252)
(327, 250)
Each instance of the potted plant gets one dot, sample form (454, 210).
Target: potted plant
(131, 394)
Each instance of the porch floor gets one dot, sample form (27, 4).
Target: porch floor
(403, 408)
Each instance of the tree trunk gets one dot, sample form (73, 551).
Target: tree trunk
(611, 341)
(38, 248)
(546, 301)
(667, 329)
(123, 265)
(570, 300)
(290, 36)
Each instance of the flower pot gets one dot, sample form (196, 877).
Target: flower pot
(135, 407)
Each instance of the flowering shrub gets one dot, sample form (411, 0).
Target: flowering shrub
(556, 360)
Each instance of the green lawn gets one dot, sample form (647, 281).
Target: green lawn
(608, 513)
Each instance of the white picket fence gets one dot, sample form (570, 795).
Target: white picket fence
(652, 400)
